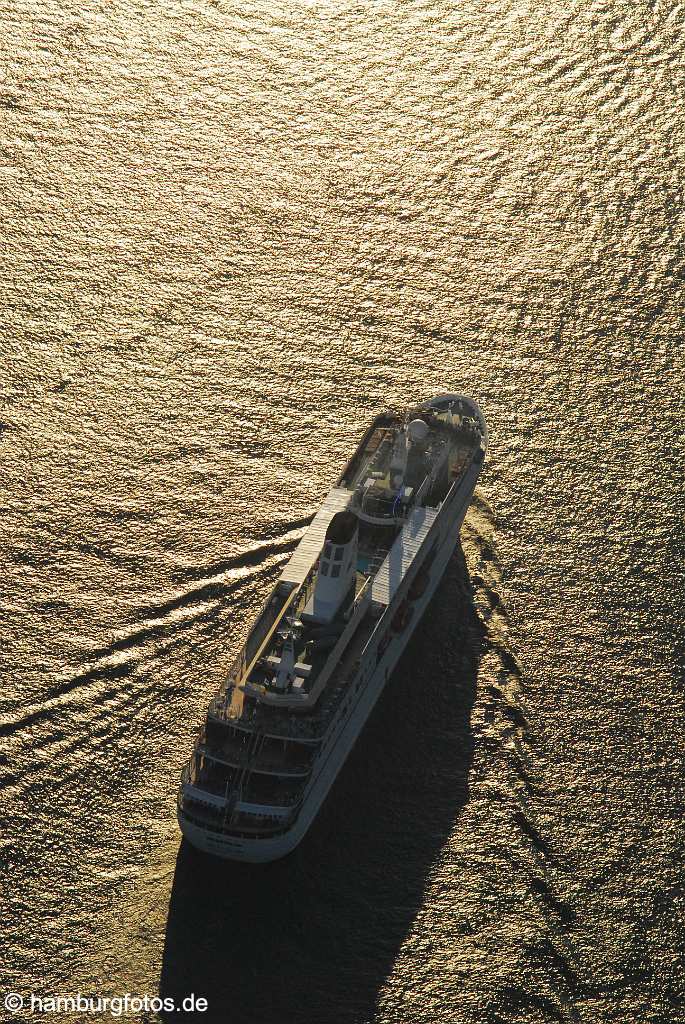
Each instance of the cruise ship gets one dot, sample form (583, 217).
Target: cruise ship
(326, 641)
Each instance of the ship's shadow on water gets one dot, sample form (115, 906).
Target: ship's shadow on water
(314, 936)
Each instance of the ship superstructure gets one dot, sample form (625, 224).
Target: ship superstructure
(327, 638)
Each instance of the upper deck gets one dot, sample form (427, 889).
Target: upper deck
(307, 644)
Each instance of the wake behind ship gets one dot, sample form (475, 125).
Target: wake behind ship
(331, 631)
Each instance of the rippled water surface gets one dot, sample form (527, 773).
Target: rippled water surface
(230, 235)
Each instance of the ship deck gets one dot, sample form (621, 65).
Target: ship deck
(312, 648)
(287, 723)
(385, 555)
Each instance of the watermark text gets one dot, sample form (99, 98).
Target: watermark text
(113, 1006)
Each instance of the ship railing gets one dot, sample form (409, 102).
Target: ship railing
(342, 687)
(379, 511)
(231, 756)
(232, 798)
(273, 798)
(228, 798)
(476, 456)
(211, 795)
(254, 828)
(222, 707)
(422, 490)
(273, 768)
(374, 560)
(266, 762)
(262, 824)
(273, 723)
(263, 810)
(373, 460)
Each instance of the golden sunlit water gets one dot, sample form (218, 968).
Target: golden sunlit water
(231, 234)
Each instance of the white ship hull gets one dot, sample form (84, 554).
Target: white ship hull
(331, 759)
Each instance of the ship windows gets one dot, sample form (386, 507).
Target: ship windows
(335, 571)
(339, 554)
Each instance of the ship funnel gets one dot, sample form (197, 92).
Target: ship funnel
(337, 568)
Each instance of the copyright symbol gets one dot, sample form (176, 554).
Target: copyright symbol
(13, 1002)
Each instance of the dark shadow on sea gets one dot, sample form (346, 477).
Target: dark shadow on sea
(313, 937)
